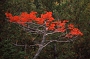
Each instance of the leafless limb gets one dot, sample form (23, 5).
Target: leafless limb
(66, 41)
(55, 41)
(50, 33)
(33, 30)
(24, 45)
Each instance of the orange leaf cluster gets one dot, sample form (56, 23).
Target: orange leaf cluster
(22, 18)
(47, 19)
(73, 31)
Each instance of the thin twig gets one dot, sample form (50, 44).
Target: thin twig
(55, 41)
(50, 33)
(25, 45)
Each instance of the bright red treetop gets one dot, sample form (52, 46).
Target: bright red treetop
(48, 20)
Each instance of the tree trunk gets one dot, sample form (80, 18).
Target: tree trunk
(40, 47)
(38, 52)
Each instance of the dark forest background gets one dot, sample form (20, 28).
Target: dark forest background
(76, 11)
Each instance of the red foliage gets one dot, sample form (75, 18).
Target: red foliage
(51, 27)
(47, 19)
(47, 16)
(74, 32)
(8, 15)
(39, 20)
(70, 26)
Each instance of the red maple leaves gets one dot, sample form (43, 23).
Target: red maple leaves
(47, 19)
(73, 31)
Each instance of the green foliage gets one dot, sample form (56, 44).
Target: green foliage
(82, 49)
(7, 50)
(17, 6)
(77, 11)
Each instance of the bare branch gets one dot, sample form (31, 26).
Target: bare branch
(67, 41)
(35, 24)
(73, 39)
(50, 33)
(34, 45)
(55, 41)
(25, 45)
(33, 30)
